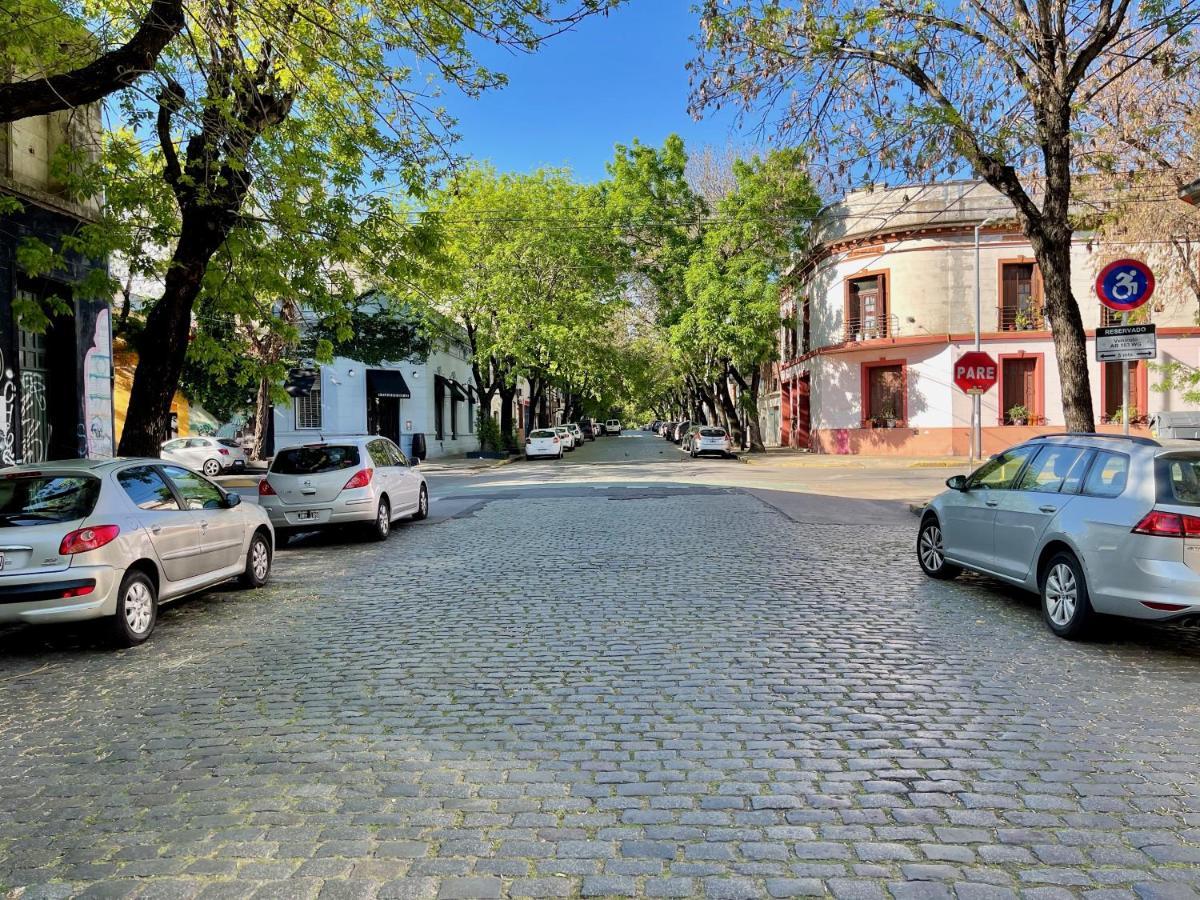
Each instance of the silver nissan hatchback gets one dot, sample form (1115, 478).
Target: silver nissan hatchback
(1095, 524)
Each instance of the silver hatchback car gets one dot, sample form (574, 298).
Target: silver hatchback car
(1095, 524)
(360, 480)
(111, 539)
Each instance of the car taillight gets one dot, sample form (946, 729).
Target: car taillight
(359, 479)
(80, 591)
(1168, 524)
(265, 489)
(85, 539)
(222, 451)
(528, 441)
(555, 440)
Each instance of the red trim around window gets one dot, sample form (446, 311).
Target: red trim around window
(1139, 385)
(864, 400)
(1039, 384)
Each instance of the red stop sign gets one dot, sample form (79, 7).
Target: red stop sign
(975, 372)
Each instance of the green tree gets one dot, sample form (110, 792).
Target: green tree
(733, 278)
(281, 120)
(1010, 89)
(59, 58)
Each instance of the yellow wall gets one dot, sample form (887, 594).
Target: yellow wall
(124, 362)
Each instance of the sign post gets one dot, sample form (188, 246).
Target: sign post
(975, 373)
(1123, 286)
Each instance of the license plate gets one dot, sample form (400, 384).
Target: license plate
(306, 515)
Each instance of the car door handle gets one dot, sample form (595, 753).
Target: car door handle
(156, 529)
(1048, 508)
(992, 502)
(204, 526)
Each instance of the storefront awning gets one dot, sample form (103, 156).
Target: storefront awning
(458, 391)
(387, 383)
(301, 382)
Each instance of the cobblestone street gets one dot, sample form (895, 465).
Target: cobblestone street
(601, 689)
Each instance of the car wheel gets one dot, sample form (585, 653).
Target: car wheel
(422, 505)
(211, 468)
(931, 552)
(1065, 603)
(258, 562)
(694, 454)
(137, 610)
(560, 453)
(382, 526)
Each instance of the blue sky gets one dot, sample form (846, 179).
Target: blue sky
(612, 79)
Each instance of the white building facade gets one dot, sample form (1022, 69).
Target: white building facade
(885, 304)
(433, 397)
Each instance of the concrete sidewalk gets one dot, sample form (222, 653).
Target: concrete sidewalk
(786, 457)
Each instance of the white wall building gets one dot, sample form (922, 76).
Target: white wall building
(433, 397)
(885, 303)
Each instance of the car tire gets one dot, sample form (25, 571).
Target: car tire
(422, 505)
(694, 454)
(931, 552)
(137, 610)
(381, 528)
(211, 468)
(1066, 607)
(258, 562)
(560, 453)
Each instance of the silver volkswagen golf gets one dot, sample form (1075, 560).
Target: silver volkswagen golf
(1095, 524)
(110, 539)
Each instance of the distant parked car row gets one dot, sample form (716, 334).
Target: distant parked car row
(695, 439)
(113, 539)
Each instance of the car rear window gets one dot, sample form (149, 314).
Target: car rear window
(37, 499)
(1108, 475)
(1179, 480)
(228, 442)
(542, 434)
(712, 432)
(315, 460)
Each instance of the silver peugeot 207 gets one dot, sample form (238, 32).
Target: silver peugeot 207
(110, 539)
(1095, 524)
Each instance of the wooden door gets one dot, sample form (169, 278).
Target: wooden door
(1019, 387)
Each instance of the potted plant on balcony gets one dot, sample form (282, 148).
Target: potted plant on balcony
(1023, 320)
(1018, 415)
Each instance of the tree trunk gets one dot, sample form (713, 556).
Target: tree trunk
(729, 409)
(262, 412)
(757, 445)
(507, 432)
(163, 343)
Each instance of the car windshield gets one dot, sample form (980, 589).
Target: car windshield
(1183, 480)
(542, 434)
(38, 499)
(315, 460)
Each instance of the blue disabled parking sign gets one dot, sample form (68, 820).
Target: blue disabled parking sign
(1125, 285)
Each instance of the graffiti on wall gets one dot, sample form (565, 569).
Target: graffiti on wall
(8, 414)
(35, 424)
(97, 398)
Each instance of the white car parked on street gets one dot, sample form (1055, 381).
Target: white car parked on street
(543, 443)
(111, 539)
(564, 435)
(360, 480)
(709, 439)
(612, 426)
(209, 455)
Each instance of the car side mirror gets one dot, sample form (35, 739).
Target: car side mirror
(413, 462)
(232, 500)
(957, 482)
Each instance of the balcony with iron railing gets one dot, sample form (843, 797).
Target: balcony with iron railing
(870, 328)
(1014, 318)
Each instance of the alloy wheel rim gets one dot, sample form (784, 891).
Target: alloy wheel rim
(424, 502)
(384, 524)
(1062, 594)
(932, 555)
(259, 561)
(139, 607)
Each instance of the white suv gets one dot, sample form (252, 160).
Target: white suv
(352, 481)
(612, 426)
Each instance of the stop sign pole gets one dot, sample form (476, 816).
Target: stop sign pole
(975, 373)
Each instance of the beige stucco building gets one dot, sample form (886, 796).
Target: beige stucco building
(885, 303)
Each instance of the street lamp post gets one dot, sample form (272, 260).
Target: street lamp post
(977, 399)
